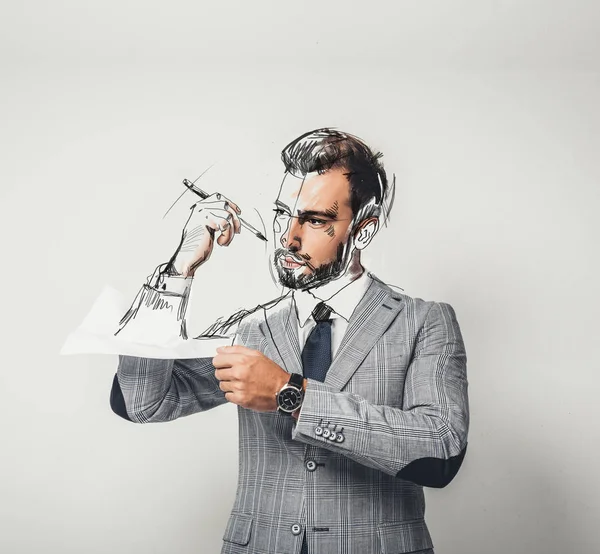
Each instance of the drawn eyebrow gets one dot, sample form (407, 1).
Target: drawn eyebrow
(328, 214)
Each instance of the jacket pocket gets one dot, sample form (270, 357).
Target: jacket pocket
(238, 529)
(407, 536)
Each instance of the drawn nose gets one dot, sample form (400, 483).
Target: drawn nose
(291, 237)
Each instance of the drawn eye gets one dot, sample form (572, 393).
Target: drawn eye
(280, 213)
(317, 222)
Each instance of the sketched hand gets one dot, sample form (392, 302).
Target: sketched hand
(248, 378)
(215, 215)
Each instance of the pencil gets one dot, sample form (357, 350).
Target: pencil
(202, 194)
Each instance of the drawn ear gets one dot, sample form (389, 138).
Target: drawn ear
(365, 232)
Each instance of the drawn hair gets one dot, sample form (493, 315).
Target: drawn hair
(324, 149)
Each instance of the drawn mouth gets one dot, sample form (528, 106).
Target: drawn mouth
(290, 263)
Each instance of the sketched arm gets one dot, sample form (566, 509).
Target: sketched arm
(158, 311)
(151, 390)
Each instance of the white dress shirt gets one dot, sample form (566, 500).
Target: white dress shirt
(342, 301)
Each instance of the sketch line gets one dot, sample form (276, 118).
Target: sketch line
(180, 196)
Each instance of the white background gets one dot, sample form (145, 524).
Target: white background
(487, 112)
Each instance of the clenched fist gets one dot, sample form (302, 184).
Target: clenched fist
(209, 217)
(248, 378)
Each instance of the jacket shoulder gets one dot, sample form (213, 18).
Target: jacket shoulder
(418, 307)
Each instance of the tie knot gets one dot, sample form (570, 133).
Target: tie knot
(321, 312)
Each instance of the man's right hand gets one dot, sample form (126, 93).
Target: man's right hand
(213, 216)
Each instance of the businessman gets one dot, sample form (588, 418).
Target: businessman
(351, 396)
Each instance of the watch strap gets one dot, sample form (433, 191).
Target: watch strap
(296, 380)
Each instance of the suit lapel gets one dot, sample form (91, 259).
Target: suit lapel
(280, 328)
(373, 315)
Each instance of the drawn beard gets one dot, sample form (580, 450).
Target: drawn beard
(318, 276)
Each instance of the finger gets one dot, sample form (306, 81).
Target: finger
(232, 397)
(227, 234)
(230, 215)
(219, 198)
(219, 212)
(217, 220)
(214, 197)
(237, 226)
(223, 361)
(226, 386)
(223, 220)
(238, 349)
(214, 205)
(234, 206)
(224, 211)
(225, 374)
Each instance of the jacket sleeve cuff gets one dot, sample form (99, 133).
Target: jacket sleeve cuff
(310, 418)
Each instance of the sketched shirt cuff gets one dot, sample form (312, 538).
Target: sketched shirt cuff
(157, 315)
(162, 282)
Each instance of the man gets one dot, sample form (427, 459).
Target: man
(351, 396)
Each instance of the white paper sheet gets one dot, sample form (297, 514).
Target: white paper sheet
(95, 335)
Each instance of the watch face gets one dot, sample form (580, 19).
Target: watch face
(289, 399)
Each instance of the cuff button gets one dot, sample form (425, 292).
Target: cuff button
(311, 465)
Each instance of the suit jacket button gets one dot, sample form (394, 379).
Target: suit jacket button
(319, 431)
(326, 433)
(311, 465)
(296, 529)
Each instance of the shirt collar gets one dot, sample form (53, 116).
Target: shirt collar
(342, 301)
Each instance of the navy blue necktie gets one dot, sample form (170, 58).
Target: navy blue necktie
(316, 355)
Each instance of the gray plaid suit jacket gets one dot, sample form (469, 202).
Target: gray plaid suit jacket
(398, 388)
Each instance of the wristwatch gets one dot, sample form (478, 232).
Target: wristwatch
(290, 397)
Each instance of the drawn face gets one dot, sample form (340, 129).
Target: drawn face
(312, 225)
